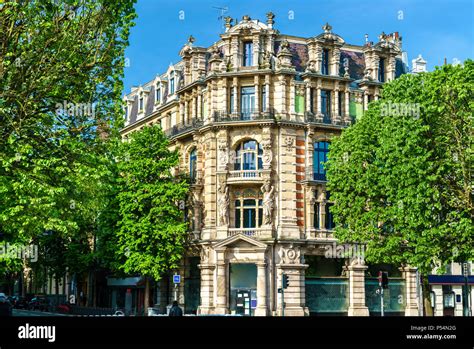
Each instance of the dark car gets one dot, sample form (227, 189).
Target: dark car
(5, 307)
(39, 303)
(20, 303)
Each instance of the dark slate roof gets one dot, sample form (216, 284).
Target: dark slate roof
(356, 64)
(150, 102)
(134, 110)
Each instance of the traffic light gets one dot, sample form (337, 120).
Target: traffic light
(383, 279)
(285, 282)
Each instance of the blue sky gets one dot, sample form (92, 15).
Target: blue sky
(434, 28)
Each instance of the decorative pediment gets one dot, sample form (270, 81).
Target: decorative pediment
(329, 37)
(247, 25)
(240, 240)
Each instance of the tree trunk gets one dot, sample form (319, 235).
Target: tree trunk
(146, 302)
(427, 306)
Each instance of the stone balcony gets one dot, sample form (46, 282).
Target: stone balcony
(260, 233)
(245, 176)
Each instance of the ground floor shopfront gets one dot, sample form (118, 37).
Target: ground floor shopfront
(241, 275)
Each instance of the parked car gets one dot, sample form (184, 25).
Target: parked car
(64, 308)
(20, 302)
(5, 306)
(39, 303)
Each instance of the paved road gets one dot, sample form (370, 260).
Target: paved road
(21, 312)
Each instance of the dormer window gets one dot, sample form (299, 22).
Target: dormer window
(171, 85)
(381, 70)
(158, 95)
(126, 112)
(325, 62)
(141, 103)
(248, 54)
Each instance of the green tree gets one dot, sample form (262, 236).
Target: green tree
(401, 177)
(61, 69)
(152, 229)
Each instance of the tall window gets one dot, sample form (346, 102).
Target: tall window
(126, 112)
(247, 102)
(158, 95)
(326, 104)
(329, 216)
(325, 62)
(192, 164)
(382, 70)
(317, 209)
(341, 102)
(140, 103)
(248, 54)
(264, 97)
(320, 156)
(248, 213)
(171, 85)
(311, 100)
(231, 100)
(248, 156)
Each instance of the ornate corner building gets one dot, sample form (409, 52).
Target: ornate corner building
(252, 117)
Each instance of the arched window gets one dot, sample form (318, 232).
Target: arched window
(248, 156)
(320, 156)
(193, 164)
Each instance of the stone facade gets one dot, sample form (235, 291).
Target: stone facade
(245, 115)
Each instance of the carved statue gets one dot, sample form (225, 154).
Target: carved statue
(267, 191)
(223, 204)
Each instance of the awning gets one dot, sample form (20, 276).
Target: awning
(450, 280)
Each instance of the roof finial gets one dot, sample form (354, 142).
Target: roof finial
(327, 28)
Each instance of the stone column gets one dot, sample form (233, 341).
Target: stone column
(199, 105)
(308, 98)
(186, 112)
(261, 289)
(207, 289)
(235, 83)
(366, 100)
(256, 49)
(221, 299)
(292, 101)
(409, 274)
(357, 305)
(193, 108)
(319, 115)
(347, 116)
(267, 93)
(294, 296)
(181, 112)
(225, 97)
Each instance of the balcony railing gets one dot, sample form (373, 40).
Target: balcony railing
(184, 127)
(245, 115)
(311, 117)
(253, 232)
(245, 175)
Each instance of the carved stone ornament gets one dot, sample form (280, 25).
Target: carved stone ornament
(289, 255)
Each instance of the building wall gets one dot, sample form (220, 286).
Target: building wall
(206, 114)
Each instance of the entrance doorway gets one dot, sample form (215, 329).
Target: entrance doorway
(243, 288)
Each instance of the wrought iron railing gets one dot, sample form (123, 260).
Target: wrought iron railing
(184, 127)
(323, 119)
(255, 232)
(244, 115)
